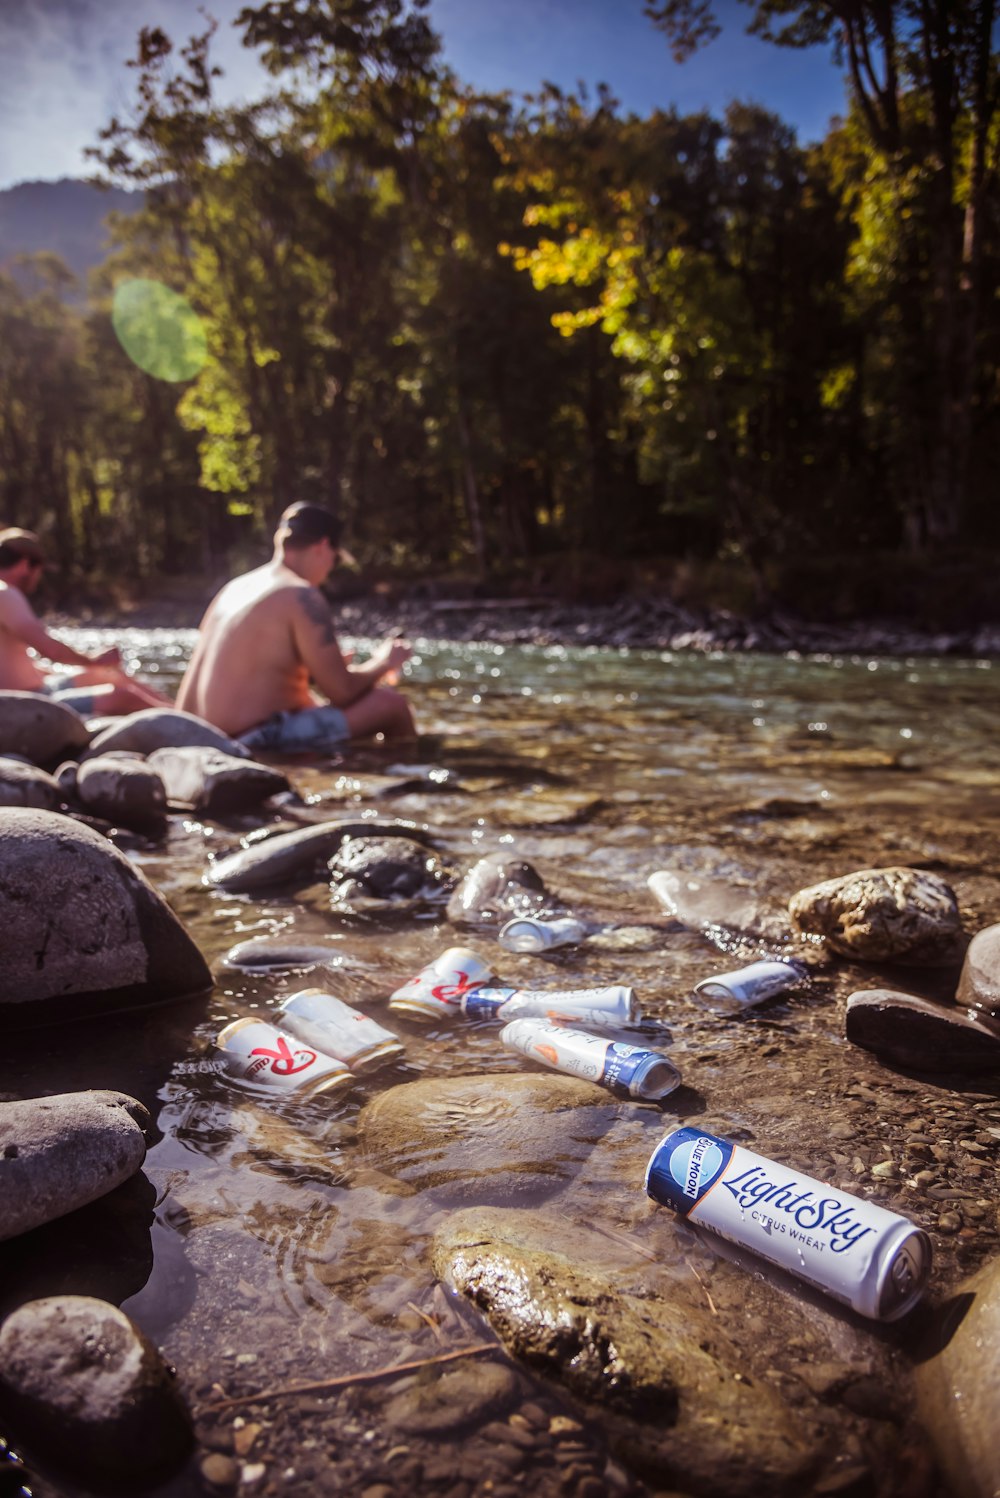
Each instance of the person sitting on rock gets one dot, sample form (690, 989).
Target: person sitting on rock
(269, 633)
(96, 685)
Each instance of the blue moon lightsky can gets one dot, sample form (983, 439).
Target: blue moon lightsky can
(861, 1254)
(626, 1070)
(584, 1006)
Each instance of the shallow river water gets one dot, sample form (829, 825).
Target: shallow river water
(264, 1247)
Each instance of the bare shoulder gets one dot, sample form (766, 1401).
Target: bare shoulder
(13, 604)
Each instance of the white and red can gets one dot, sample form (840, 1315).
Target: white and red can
(436, 991)
(861, 1254)
(256, 1052)
(327, 1023)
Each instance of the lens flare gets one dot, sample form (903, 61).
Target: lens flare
(159, 330)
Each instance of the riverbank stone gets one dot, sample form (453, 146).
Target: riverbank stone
(458, 1397)
(42, 730)
(213, 783)
(495, 890)
(979, 984)
(155, 728)
(386, 869)
(84, 930)
(24, 784)
(884, 915)
(958, 1386)
(493, 1138)
(121, 788)
(657, 1370)
(299, 857)
(919, 1035)
(86, 1390)
(61, 1152)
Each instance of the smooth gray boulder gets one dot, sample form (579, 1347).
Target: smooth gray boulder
(297, 858)
(979, 984)
(61, 1152)
(884, 915)
(492, 1138)
(42, 730)
(122, 789)
(917, 1034)
(163, 728)
(84, 930)
(497, 889)
(213, 783)
(666, 1392)
(26, 785)
(958, 1386)
(83, 1387)
(369, 870)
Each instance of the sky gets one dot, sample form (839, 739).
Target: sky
(63, 72)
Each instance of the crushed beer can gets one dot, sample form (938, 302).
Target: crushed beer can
(584, 1006)
(326, 1022)
(626, 1070)
(436, 991)
(749, 985)
(254, 1051)
(861, 1254)
(529, 935)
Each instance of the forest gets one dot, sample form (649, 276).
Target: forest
(531, 342)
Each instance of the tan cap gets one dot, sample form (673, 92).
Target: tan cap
(25, 543)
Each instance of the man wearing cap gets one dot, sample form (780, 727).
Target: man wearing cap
(96, 686)
(270, 633)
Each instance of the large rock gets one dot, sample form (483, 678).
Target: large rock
(884, 915)
(958, 1386)
(915, 1033)
(120, 788)
(58, 1153)
(493, 1138)
(659, 1370)
(25, 785)
(84, 930)
(296, 858)
(84, 1388)
(162, 728)
(42, 730)
(215, 784)
(385, 869)
(495, 890)
(979, 985)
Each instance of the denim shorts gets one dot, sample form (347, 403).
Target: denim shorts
(59, 688)
(307, 730)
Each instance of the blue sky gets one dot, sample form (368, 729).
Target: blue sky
(63, 73)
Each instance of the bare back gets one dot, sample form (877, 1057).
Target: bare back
(247, 665)
(18, 629)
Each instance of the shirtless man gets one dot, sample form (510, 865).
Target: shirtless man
(97, 687)
(269, 633)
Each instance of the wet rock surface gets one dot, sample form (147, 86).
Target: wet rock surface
(43, 731)
(912, 1032)
(214, 783)
(159, 728)
(979, 983)
(122, 789)
(958, 1386)
(59, 1153)
(296, 858)
(390, 869)
(25, 785)
(884, 915)
(78, 1369)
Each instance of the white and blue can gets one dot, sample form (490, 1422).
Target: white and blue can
(582, 1006)
(627, 1070)
(528, 934)
(861, 1254)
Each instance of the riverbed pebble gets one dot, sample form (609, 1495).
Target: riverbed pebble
(155, 728)
(23, 784)
(213, 783)
(123, 789)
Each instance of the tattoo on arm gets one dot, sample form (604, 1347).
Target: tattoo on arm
(317, 611)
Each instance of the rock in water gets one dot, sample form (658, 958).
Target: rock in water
(979, 985)
(43, 731)
(915, 1033)
(83, 1387)
(123, 789)
(884, 915)
(297, 857)
(26, 785)
(215, 784)
(61, 1152)
(162, 728)
(679, 1408)
(496, 889)
(385, 869)
(84, 930)
(958, 1386)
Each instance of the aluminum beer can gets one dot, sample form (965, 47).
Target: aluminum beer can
(626, 1070)
(861, 1254)
(585, 1006)
(254, 1051)
(436, 991)
(326, 1022)
(529, 935)
(750, 985)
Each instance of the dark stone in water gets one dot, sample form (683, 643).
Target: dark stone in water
(278, 957)
(43, 731)
(385, 868)
(24, 784)
(915, 1033)
(979, 985)
(213, 783)
(160, 728)
(298, 857)
(495, 890)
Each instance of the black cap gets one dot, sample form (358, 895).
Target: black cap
(303, 524)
